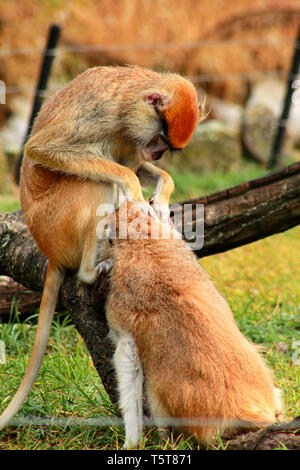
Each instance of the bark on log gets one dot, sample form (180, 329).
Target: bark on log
(250, 211)
(233, 217)
(278, 436)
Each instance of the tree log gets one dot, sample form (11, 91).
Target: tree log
(250, 211)
(277, 436)
(234, 217)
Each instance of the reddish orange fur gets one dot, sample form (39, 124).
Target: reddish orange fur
(183, 116)
(197, 364)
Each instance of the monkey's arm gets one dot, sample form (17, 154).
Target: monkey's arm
(75, 160)
(150, 175)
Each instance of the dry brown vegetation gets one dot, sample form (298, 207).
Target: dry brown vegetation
(24, 24)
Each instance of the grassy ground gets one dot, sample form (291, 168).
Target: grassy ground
(9, 203)
(261, 283)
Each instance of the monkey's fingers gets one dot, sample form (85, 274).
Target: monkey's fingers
(162, 211)
(144, 207)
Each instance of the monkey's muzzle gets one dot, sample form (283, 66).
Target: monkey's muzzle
(155, 152)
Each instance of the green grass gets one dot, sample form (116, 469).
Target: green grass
(194, 184)
(8, 203)
(261, 283)
(187, 184)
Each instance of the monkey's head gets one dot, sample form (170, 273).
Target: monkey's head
(165, 116)
(129, 223)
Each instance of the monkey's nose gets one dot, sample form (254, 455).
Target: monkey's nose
(159, 151)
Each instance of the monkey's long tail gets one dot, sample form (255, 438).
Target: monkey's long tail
(52, 285)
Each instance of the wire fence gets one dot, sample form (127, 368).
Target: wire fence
(197, 79)
(105, 421)
(204, 78)
(150, 46)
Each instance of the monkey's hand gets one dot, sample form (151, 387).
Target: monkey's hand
(150, 175)
(144, 207)
(161, 210)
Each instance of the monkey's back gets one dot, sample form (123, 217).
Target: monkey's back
(196, 361)
(88, 94)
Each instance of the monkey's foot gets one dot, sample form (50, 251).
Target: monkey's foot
(104, 267)
(133, 441)
(90, 275)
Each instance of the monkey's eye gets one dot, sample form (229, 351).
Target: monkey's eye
(165, 129)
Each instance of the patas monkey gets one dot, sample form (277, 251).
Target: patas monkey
(171, 325)
(94, 143)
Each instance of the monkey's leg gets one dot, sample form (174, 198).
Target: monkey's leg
(159, 414)
(90, 166)
(130, 384)
(53, 282)
(93, 248)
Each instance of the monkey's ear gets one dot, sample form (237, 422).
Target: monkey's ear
(158, 101)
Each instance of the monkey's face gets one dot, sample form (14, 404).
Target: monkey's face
(145, 128)
(155, 149)
(163, 118)
(177, 115)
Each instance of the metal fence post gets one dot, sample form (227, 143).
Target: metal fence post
(49, 54)
(281, 127)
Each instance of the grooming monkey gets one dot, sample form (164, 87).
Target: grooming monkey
(169, 323)
(94, 143)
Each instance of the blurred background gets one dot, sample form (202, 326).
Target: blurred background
(238, 53)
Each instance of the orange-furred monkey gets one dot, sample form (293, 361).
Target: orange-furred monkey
(171, 326)
(93, 143)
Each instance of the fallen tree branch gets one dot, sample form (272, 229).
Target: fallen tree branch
(233, 217)
(250, 211)
(277, 436)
